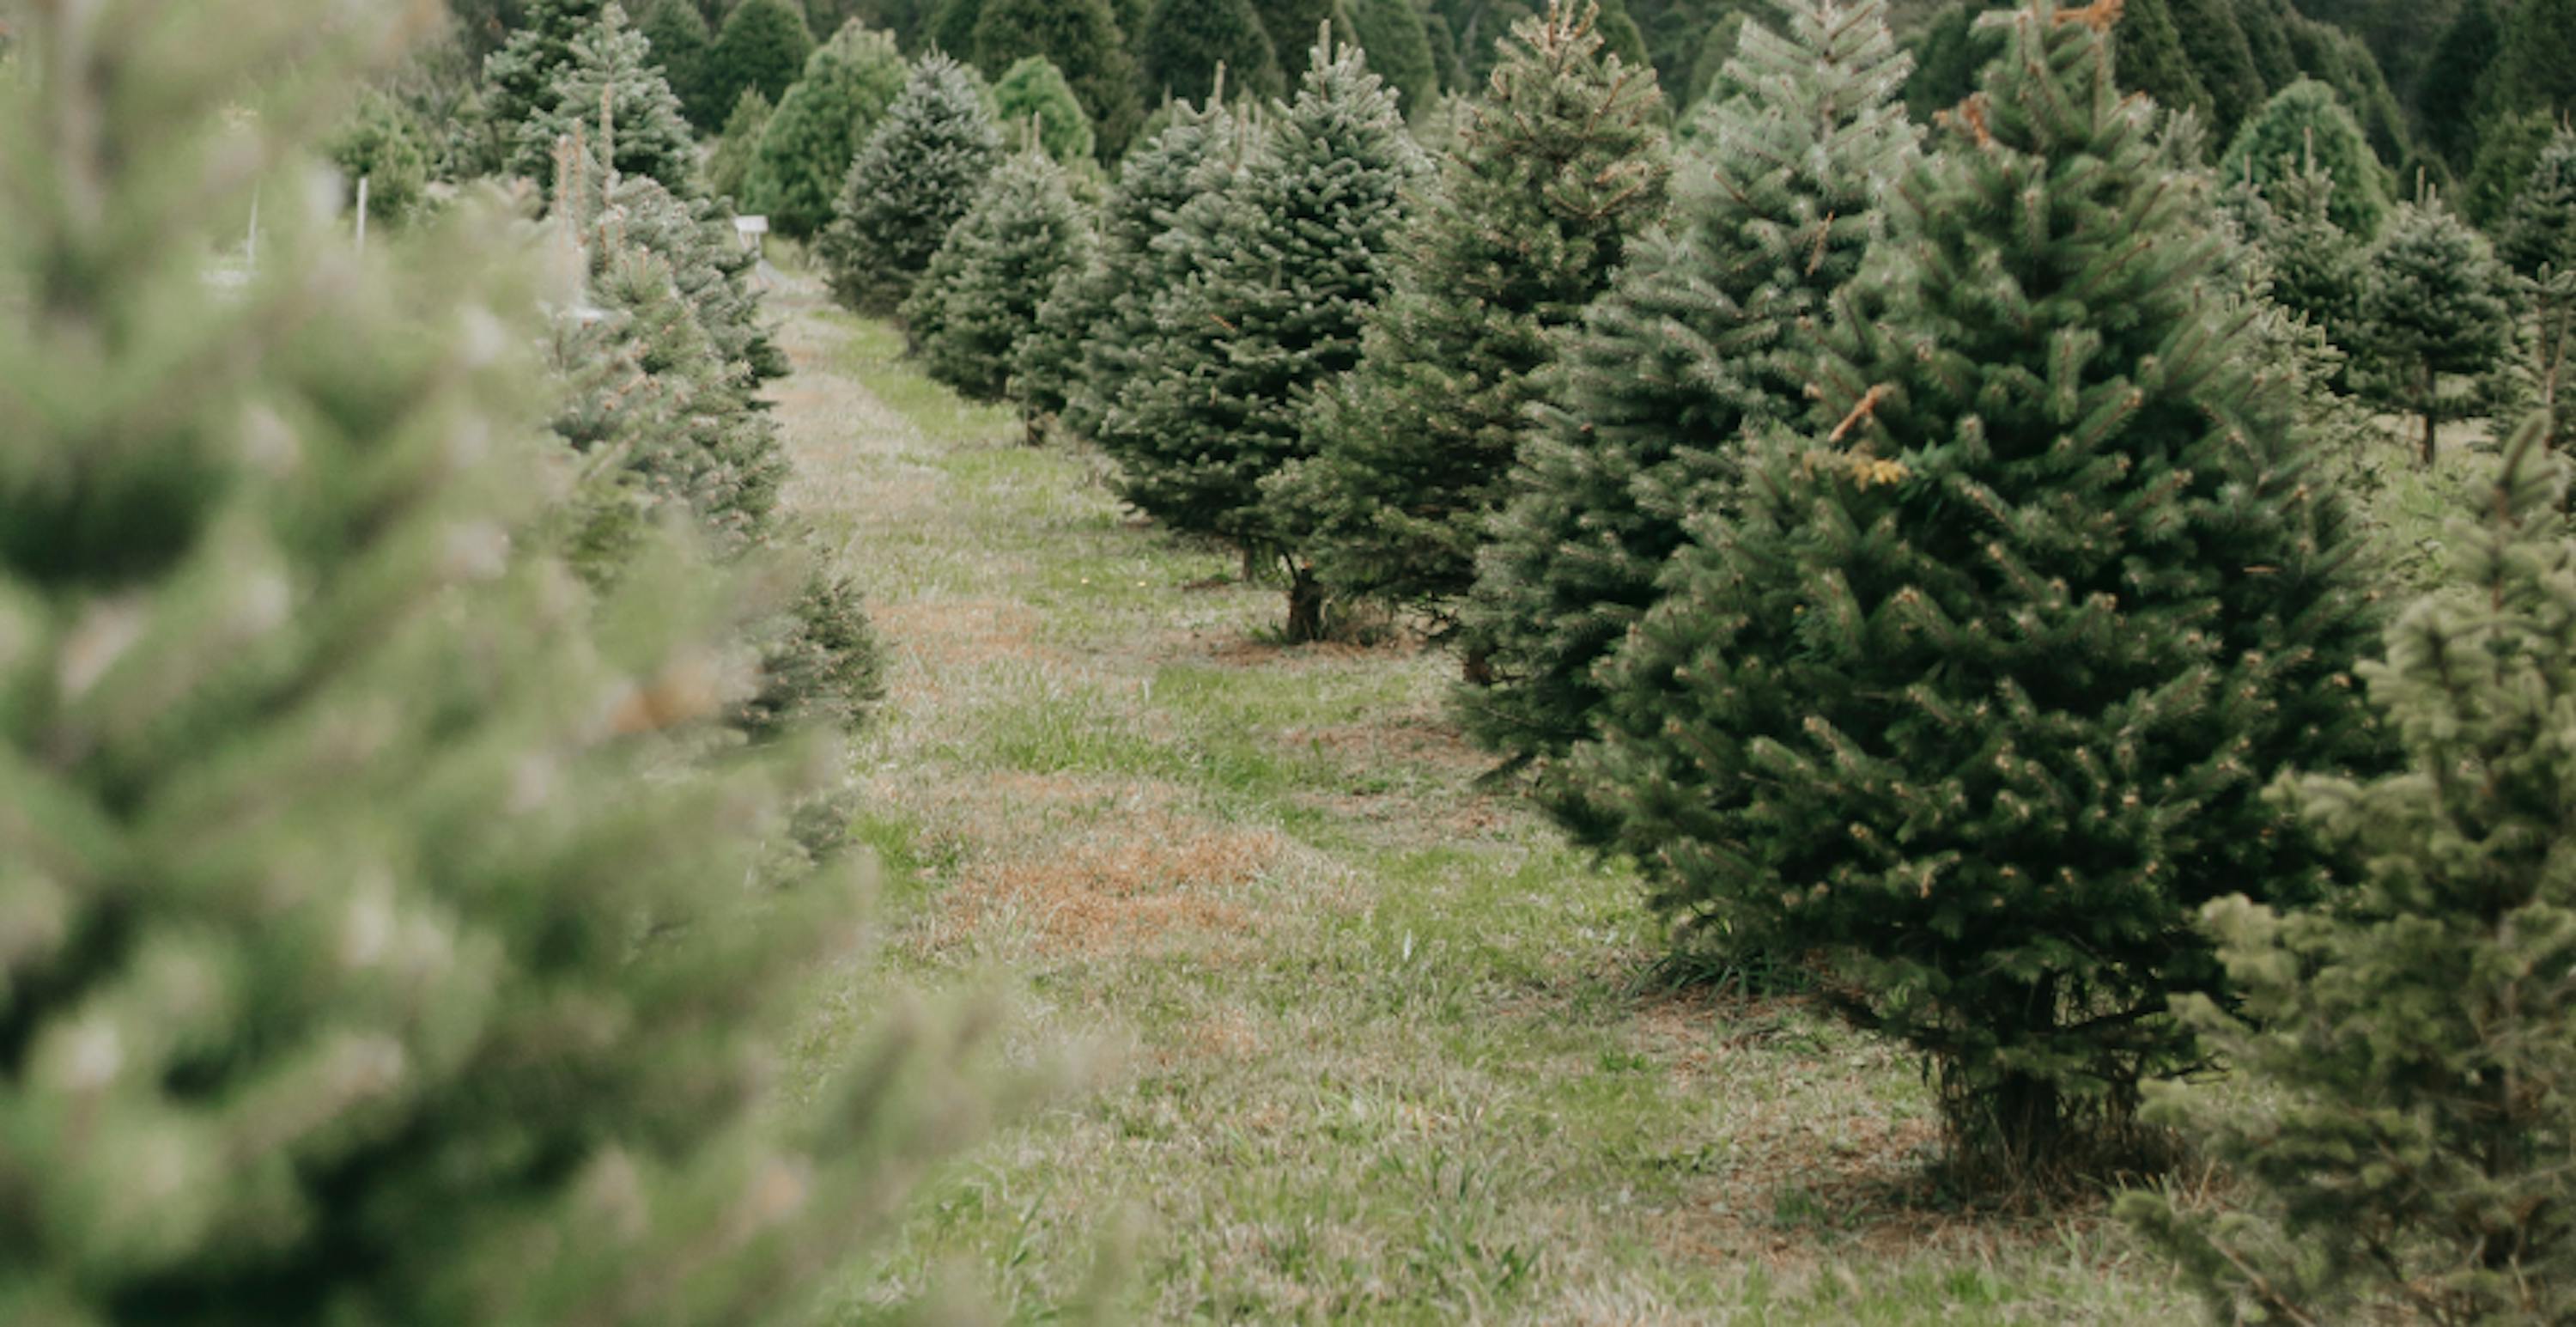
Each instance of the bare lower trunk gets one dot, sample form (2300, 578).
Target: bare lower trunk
(1305, 605)
(2426, 385)
(1476, 666)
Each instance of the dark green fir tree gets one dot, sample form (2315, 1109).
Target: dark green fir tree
(1561, 164)
(611, 79)
(381, 948)
(2315, 266)
(1033, 92)
(379, 142)
(2448, 97)
(2404, 1149)
(2537, 240)
(2509, 148)
(1081, 38)
(1709, 330)
(763, 44)
(1398, 49)
(2433, 307)
(1292, 25)
(1970, 694)
(1294, 255)
(913, 178)
(952, 28)
(681, 43)
(520, 77)
(805, 152)
(2307, 125)
(1185, 42)
(2149, 57)
(2213, 42)
(979, 299)
(728, 168)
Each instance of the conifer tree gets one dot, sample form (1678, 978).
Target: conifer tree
(915, 176)
(729, 165)
(1098, 322)
(1034, 92)
(1398, 49)
(1082, 40)
(2509, 147)
(1292, 25)
(612, 70)
(1950, 53)
(2537, 69)
(379, 952)
(2537, 240)
(2433, 306)
(805, 153)
(1620, 33)
(1186, 41)
(952, 28)
(1706, 332)
(2315, 267)
(979, 300)
(2221, 60)
(1296, 252)
(2149, 57)
(1561, 165)
(1970, 693)
(521, 75)
(380, 143)
(2307, 125)
(763, 44)
(2447, 98)
(681, 44)
(2412, 1045)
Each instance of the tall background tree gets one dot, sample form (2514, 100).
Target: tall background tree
(1399, 49)
(1184, 43)
(2307, 124)
(610, 84)
(979, 299)
(681, 44)
(914, 177)
(1033, 93)
(2433, 307)
(762, 45)
(807, 145)
(1081, 38)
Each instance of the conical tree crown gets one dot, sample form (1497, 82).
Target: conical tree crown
(763, 44)
(521, 74)
(1707, 332)
(681, 42)
(806, 149)
(979, 300)
(1560, 165)
(1185, 42)
(916, 175)
(2538, 232)
(611, 81)
(1082, 40)
(1972, 692)
(1033, 92)
(2307, 125)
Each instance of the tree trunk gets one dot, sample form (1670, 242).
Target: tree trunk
(2426, 385)
(1305, 605)
(1476, 666)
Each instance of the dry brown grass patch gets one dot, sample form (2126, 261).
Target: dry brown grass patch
(1132, 887)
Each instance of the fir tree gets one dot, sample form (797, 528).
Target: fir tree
(1292, 25)
(763, 44)
(521, 75)
(2537, 240)
(612, 72)
(380, 143)
(681, 44)
(2214, 43)
(2413, 1045)
(1034, 92)
(2537, 70)
(729, 166)
(1619, 32)
(2315, 267)
(2433, 306)
(2307, 125)
(1098, 323)
(2537, 233)
(2508, 149)
(1950, 53)
(1561, 164)
(979, 300)
(952, 28)
(1081, 39)
(2149, 57)
(2446, 100)
(1295, 253)
(1398, 49)
(805, 153)
(914, 177)
(378, 951)
(1186, 41)
(1707, 331)
(1970, 693)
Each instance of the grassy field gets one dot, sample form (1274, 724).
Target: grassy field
(1355, 1040)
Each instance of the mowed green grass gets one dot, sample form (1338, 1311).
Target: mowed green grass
(1350, 1040)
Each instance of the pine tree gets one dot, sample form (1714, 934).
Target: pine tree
(2149, 57)
(1186, 41)
(1034, 92)
(2509, 147)
(1296, 253)
(380, 143)
(2307, 124)
(1949, 54)
(805, 153)
(1620, 33)
(2315, 266)
(763, 44)
(2537, 70)
(952, 28)
(612, 70)
(681, 45)
(2537, 233)
(379, 952)
(2413, 1045)
(521, 75)
(1970, 693)
(1292, 25)
(729, 166)
(1706, 333)
(1561, 165)
(2433, 305)
(2447, 98)
(2537, 240)
(2214, 43)
(1398, 49)
(1081, 39)
(913, 178)
(1097, 325)
(980, 298)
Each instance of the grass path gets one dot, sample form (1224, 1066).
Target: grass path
(1363, 1041)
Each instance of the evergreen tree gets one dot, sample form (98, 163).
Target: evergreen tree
(2214, 42)
(952, 28)
(729, 166)
(1971, 692)
(1398, 49)
(521, 75)
(979, 300)
(2433, 306)
(2315, 266)
(2447, 99)
(1081, 39)
(1445, 60)
(805, 153)
(914, 177)
(2307, 125)
(380, 143)
(2509, 149)
(1706, 332)
(763, 45)
(1561, 164)
(2413, 1045)
(1292, 25)
(1034, 91)
(612, 72)
(1619, 32)
(1949, 54)
(2537, 239)
(681, 45)
(2149, 57)
(2537, 70)
(1296, 252)
(1186, 41)
(1098, 324)
(378, 951)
